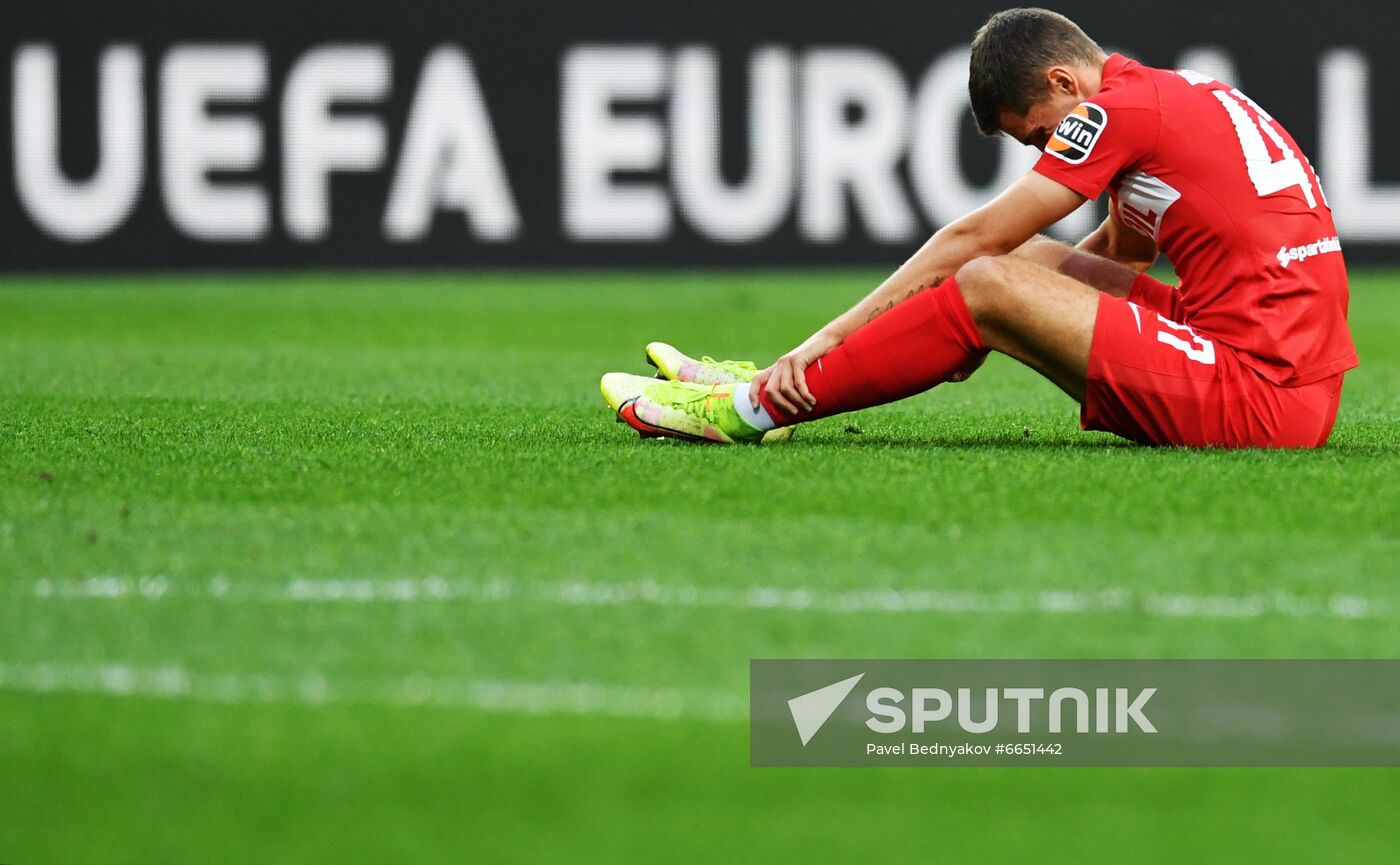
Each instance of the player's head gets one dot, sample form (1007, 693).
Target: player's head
(1029, 68)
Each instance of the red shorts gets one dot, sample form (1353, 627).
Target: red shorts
(1159, 382)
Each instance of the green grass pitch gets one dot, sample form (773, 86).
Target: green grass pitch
(312, 569)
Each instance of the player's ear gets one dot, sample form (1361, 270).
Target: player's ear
(1061, 81)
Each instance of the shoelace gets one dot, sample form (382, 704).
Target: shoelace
(729, 364)
(700, 392)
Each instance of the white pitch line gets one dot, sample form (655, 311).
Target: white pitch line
(653, 593)
(174, 682)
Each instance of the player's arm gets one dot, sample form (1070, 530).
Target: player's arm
(1026, 208)
(1109, 259)
(1117, 242)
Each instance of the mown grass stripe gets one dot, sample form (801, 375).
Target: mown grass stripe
(316, 688)
(751, 598)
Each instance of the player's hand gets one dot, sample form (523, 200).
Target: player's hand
(785, 382)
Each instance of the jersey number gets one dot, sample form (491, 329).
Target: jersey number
(1197, 348)
(1268, 175)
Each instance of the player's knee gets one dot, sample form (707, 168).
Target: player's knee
(983, 283)
(981, 270)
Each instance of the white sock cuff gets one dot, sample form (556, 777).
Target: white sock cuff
(756, 418)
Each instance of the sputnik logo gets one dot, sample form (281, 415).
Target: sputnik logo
(811, 710)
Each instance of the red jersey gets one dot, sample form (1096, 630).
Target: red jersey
(1233, 203)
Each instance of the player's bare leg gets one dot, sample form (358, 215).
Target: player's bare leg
(1039, 316)
(1104, 274)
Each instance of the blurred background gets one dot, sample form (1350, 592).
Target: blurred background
(619, 134)
(317, 542)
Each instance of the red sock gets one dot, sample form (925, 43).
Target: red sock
(922, 342)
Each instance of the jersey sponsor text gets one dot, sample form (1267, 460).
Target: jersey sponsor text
(1288, 255)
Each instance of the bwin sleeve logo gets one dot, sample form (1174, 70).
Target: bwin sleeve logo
(1075, 137)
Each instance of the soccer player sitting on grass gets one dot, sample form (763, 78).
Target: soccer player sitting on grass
(1249, 351)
